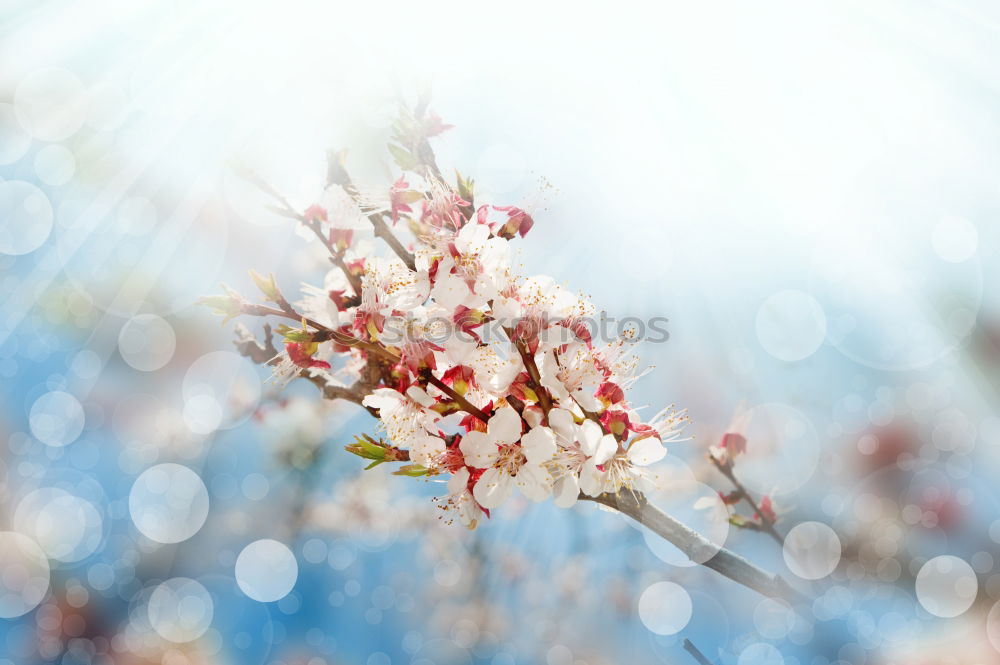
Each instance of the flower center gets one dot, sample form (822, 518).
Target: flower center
(511, 458)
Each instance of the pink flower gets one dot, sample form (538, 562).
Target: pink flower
(734, 442)
(766, 513)
(302, 357)
(398, 198)
(315, 213)
(341, 238)
(433, 125)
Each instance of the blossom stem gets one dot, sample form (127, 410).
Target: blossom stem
(529, 364)
(329, 333)
(378, 224)
(352, 279)
(766, 524)
(465, 404)
(697, 547)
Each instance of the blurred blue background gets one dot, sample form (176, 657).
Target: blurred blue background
(807, 191)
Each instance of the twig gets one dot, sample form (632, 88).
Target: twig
(766, 524)
(381, 229)
(285, 209)
(533, 374)
(266, 354)
(698, 548)
(326, 333)
(337, 174)
(695, 653)
(465, 404)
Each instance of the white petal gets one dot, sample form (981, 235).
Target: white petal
(459, 481)
(424, 449)
(566, 490)
(561, 422)
(450, 290)
(606, 448)
(505, 426)
(646, 451)
(590, 434)
(383, 398)
(706, 502)
(554, 336)
(548, 367)
(591, 479)
(538, 445)
(420, 396)
(506, 310)
(533, 417)
(479, 450)
(499, 378)
(587, 400)
(493, 488)
(534, 482)
(472, 238)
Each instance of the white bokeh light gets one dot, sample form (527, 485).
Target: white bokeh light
(24, 574)
(665, 608)
(993, 626)
(51, 103)
(946, 586)
(180, 610)
(760, 653)
(220, 390)
(55, 165)
(266, 570)
(168, 503)
(56, 418)
(811, 550)
(783, 450)
(147, 342)
(27, 217)
(137, 216)
(66, 527)
(773, 618)
(791, 325)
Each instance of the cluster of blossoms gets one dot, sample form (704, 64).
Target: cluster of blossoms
(543, 411)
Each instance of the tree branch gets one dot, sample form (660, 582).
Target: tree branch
(266, 354)
(324, 332)
(698, 548)
(696, 653)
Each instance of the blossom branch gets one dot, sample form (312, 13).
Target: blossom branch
(565, 432)
(697, 547)
(726, 468)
